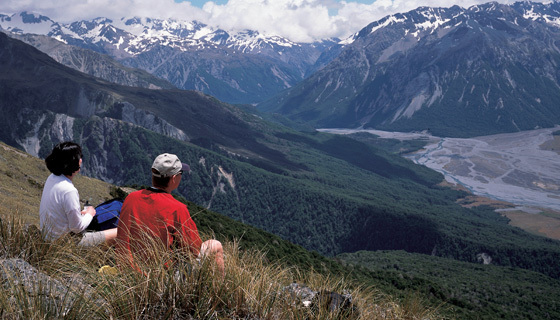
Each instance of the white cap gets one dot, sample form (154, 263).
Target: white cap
(167, 165)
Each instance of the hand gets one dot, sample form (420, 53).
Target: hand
(89, 210)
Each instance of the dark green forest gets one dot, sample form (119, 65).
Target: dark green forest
(339, 195)
(476, 291)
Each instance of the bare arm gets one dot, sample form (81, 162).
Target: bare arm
(89, 210)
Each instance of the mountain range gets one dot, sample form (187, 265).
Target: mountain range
(454, 71)
(330, 194)
(327, 193)
(243, 67)
(458, 72)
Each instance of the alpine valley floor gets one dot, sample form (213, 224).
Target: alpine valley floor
(521, 168)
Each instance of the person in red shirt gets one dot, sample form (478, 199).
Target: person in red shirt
(153, 216)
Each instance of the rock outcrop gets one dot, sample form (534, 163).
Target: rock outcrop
(19, 278)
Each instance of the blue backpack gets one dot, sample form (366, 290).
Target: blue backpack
(106, 215)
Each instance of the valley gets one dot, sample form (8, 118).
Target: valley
(521, 168)
(455, 207)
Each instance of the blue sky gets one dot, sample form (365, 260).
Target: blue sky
(297, 20)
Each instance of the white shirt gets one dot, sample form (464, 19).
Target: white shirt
(59, 211)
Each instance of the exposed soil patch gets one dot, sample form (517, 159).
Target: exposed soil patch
(475, 201)
(543, 222)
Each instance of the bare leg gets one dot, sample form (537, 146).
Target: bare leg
(110, 236)
(107, 237)
(214, 249)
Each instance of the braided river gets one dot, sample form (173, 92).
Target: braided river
(511, 167)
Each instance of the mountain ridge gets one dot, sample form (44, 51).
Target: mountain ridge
(235, 67)
(323, 192)
(451, 71)
(93, 63)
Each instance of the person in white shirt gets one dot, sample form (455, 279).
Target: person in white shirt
(60, 212)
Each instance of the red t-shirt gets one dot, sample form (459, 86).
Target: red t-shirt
(154, 214)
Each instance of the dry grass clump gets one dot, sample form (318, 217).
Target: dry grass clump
(252, 287)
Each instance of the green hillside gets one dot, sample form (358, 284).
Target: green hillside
(349, 197)
(459, 290)
(479, 291)
(22, 176)
(327, 193)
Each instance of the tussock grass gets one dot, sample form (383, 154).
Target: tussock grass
(252, 287)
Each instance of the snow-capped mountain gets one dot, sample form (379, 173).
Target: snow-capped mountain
(132, 36)
(28, 23)
(240, 67)
(453, 71)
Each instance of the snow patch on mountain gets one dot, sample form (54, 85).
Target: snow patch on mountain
(137, 35)
(26, 23)
(387, 21)
(532, 15)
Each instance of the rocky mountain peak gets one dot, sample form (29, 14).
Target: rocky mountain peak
(234, 66)
(432, 68)
(136, 35)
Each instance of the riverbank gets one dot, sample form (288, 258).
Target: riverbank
(521, 168)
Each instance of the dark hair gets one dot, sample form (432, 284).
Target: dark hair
(64, 158)
(160, 182)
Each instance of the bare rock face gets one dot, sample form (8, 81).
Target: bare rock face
(151, 122)
(21, 279)
(323, 300)
(484, 258)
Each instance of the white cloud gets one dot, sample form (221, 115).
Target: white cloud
(72, 10)
(298, 20)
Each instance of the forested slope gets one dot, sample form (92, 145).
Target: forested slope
(459, 290)
(324, 192)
